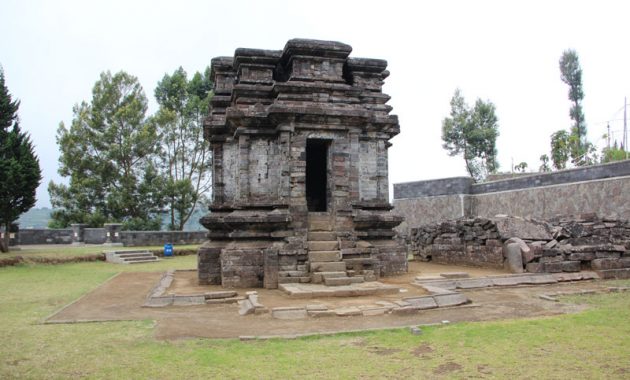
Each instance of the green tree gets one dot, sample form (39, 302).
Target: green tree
(560, 149)
(614, 153)
(20, 174)
(544, 164)
(473, 134)
(580, 149)
(185, 157)
(521, 167)
(108, 154)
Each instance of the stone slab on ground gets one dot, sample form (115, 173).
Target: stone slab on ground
(422, 303)
(506, 281)
(289, 313)
(620, 274)
(348, 311)
(454, 275)
(189, 300)
(372, 311)
(220, 294)
(446, 300)
(473, 283)
(352, 290)
(437, 290)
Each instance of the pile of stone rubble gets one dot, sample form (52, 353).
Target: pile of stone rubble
(562, 244)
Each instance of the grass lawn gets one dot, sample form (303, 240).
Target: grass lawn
(63, 250)
(589, 345)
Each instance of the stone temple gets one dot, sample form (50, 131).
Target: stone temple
(299, 139)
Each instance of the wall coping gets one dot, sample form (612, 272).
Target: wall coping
(457, 185)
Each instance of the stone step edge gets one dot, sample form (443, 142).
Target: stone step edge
(405, 306)
(507, 281)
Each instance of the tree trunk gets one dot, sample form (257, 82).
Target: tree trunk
(4, 243)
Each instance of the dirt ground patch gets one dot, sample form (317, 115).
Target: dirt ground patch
(122, 297)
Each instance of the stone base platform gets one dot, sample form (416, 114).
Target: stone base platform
(353, 290)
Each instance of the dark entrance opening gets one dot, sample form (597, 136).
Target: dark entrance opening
(316, 174)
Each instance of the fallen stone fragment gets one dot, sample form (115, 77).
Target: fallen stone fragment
(414, 330)
(547, 298)
(245, 307)
(514, 259)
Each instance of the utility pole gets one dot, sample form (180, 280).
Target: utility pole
(625, 126)
(608, 135)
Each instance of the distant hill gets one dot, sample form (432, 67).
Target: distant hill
(39, 217)
(35, 218)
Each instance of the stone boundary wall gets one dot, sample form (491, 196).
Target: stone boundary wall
(99, 236)
(45, 236)
(600, 189)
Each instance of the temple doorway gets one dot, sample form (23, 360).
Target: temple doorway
(317, 174)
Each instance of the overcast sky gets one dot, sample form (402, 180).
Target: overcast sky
(52, 53)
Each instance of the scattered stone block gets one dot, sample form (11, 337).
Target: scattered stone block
(414, 330)
(245, 307)
(514, 258)
(402, 303)
(455, 299)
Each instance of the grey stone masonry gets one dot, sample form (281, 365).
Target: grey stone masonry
(295, 131)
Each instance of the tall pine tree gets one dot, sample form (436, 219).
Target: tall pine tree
(20, 174)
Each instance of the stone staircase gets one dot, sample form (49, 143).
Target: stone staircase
(324, 256)
(130, 257)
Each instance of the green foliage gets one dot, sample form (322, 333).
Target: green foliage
(544, 164)
(108, 154)
(521, 167)
(20, 174)
(571, 74)
(473, 134)
(614, 153)
(185, 157)
(560, 150)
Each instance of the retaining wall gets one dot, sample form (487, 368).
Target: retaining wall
(99, 236)
(601, 189)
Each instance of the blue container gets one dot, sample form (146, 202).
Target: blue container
(168, 250)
